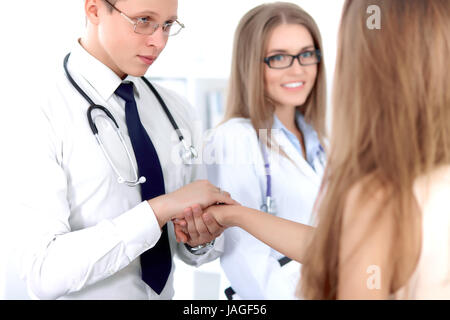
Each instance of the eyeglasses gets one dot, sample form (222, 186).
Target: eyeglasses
(283, 61)
(145, 26)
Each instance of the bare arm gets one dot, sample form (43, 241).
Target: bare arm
(365, 255)
(288, 237)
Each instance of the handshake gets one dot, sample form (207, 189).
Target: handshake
(200, 212)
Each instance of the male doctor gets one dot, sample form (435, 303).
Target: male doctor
(89, 236)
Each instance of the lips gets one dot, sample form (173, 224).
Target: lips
(147, 59)
(293, 85)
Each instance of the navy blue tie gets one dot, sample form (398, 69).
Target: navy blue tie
(156, 262)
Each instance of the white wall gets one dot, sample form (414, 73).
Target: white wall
(203, 49)
(36, 35)
(205, 45)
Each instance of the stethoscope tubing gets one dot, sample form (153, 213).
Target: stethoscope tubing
(92, 125)
(269, 201)
(92, 104)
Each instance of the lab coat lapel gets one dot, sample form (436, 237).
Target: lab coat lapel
(295, 156)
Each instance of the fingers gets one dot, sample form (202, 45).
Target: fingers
(180, 216)
(198, 219)
(221, 196)
(180, 235)
(214, 195)
(180, 227)
(212, 222)
(191, 227)
(180, 222)
(201, 231)
(224, 198)
(196, 226)
(214, 228)
(227, 194)
(201, 226)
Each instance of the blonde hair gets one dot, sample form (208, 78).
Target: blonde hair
(246, 94)
(391, 122)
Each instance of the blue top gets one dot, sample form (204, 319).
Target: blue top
(312, 143)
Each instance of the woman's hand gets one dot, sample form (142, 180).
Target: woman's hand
(199, 228)
(225, 215)
(210, 222)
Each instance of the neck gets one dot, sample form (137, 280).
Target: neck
(91, 44)
(286, 114)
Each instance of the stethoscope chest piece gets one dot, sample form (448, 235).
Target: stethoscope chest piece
(269, 205)
(189, 153)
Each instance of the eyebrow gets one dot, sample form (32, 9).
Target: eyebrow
(154, 14)
(284, 51)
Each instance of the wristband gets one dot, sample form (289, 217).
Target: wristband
(200, 249)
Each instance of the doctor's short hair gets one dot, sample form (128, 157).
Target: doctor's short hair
(113, 2)
(246, 95)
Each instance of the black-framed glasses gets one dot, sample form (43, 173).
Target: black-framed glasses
(283, 61)
(143, 25)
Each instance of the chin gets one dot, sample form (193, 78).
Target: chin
(296, 102)
(291, 99)
(137, 71)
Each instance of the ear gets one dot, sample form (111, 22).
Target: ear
(91, 9)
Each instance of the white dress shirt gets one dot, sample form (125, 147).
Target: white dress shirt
(236, 165)
(85, 230)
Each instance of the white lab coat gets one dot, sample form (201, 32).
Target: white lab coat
(82, 231)
(236, 165)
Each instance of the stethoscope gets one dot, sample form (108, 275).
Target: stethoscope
(187, 155)
(269, 203)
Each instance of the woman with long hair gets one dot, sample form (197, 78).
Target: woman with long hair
(382, 213)
(268, 151)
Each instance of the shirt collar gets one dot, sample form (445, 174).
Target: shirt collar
(312, 142)
(277, 124)
(97, 74)
(309, 135)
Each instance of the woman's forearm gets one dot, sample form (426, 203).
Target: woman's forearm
(288, 237)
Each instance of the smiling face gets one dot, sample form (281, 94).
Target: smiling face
(123, 50)
(291, 86)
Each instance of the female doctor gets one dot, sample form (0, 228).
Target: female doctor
(268, 151)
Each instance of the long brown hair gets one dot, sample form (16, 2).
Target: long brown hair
(246, 95)
(391, 122)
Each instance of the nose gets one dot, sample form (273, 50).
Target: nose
(296, 67)
(158, 39)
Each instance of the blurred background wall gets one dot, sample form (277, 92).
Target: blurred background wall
(36, 35)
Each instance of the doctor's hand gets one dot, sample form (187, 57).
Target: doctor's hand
(195, 227)
(200, 192)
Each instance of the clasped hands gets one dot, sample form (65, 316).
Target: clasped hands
(197, 223)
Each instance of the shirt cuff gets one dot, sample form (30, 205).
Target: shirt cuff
(139, 229)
